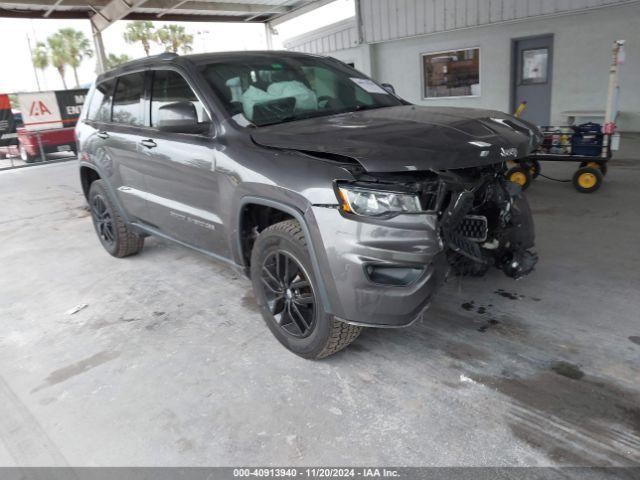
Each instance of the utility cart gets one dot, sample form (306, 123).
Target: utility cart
(589, 144)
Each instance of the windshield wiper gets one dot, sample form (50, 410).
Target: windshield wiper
(292, 118)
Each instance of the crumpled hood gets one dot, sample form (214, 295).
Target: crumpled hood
(409, 137)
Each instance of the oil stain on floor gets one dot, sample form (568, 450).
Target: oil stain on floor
(568, 370)
(575, 419)
(77, 368)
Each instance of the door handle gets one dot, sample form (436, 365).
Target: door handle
(103, 135)
(149, 143)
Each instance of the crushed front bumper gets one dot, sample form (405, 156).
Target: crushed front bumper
(360, 256)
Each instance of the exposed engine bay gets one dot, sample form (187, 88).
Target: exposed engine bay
(483, 219)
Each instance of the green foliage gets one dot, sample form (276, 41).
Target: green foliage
(13, 100)
(140, 31)
(66, 47)
(174, 38)
(58, 55)
(76, 45)
(114, 60)
(40, 57)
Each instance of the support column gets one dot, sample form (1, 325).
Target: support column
(101, 57)
(268, 29)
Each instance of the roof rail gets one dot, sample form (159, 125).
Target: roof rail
(166, 55)
(137, 61)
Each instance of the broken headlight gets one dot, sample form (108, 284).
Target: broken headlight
(375, 203)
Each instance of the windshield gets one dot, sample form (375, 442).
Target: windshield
(262, 90)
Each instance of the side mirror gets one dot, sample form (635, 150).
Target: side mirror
(389, 88)
(180, 117)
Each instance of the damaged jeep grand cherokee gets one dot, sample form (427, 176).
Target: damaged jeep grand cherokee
(346, 205)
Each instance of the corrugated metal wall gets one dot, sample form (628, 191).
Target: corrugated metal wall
(339, 36)
(392, 19)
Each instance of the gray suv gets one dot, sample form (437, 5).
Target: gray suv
(345, 205)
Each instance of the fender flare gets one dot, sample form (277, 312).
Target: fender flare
(112, 193)
(298, 215)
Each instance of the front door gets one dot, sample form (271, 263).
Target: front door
(532, 75)
(183, 196)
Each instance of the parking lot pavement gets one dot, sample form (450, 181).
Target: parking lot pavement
(12, 162)
(170, 363)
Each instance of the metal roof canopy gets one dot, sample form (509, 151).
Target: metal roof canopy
(103, 13)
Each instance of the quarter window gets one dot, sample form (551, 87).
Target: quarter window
(170, 87)
(127, 99)
(451, 74)
(100, 106)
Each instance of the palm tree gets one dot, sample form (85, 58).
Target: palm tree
(40, 56)
(114, 60)
(174, 38)
(140, 31)
(77, 48)
(58, 55)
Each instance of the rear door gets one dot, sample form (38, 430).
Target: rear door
(182, 181)
(123, 138)
(112, 147)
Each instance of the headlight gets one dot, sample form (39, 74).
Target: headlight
(375, 203)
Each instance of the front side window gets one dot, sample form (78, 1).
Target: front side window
(261, 90)
(100, 107)
(451, 74)
(170, 87)
(127, 100)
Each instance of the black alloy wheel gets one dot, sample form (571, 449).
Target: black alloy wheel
(117, 238)
(103, 220)
(289, 294)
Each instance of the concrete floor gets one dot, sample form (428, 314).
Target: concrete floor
(170, 363)
(12, 162)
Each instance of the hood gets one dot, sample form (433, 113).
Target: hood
(408, 137)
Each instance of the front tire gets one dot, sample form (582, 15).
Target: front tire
(115, 235)
(287, 292)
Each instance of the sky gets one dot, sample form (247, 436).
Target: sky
(18, 73)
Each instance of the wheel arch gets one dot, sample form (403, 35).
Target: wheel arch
(88, 175)
(297, 215)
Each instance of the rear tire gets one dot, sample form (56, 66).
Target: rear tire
(115, 235)
(284, 285)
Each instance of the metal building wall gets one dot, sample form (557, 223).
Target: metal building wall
(393, 19)
(339, 36)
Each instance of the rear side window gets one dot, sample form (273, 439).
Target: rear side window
(100, 106)
(127, 99)
(169, 87)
